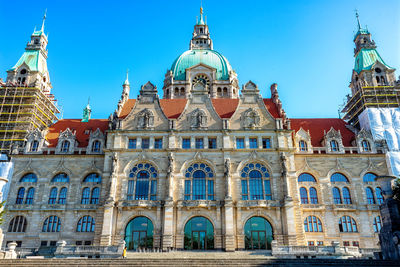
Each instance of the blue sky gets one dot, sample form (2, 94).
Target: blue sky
(304, 46)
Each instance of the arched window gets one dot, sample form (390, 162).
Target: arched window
(53, 195)
(347, 225)
(62, 197)
(20, 196)
(28, 178)
(51, 224)
(92, 178)
(176, 91)
(379, 196)
(85, 195)
(142, 182)
(94, 199)
(334, 145)
(60, 178)
(370, 195)
(346, 195)
(30, 195)
(303, 145)
(34, 146)
(96, 145)
(377, 224)
(225, 91)
(338, 177)
(258, 233)
(65, 146)
(337, 198)
(303, 195)
(199, 182)
(306, 177)
(17, 225)
(85, 224)
(312, 224)
(182, 91)
(256, 183)
(366, 146)
(369, 177)
(313, 196)
(139, 233)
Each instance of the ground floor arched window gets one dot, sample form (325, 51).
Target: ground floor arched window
(199, 234)
(258, 233)
(139, 233)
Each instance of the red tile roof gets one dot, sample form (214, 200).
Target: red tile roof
(272, 108)
(317, 127)
(127, 107)
(173, 108)
(225, 107)
(75, 125)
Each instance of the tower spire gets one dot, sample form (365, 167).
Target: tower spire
(201, 21)
(358, 20)
(44, 19)
(127, 79)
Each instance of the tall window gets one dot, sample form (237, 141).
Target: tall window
(369, 177)
(85, 224)
(302, 145)
(96, 145)
(60, 178)
(312, 224)
(239, 143)
(379, 196)
(85, 195)
(53, 195)
(253, 143)
(347, 225)
(370, 195)
(158, 143)
(65, 146)
(256, 183)
(17, 225)
(337, 198)
(28, 178)
(366, 146)
(306, 177)
(346, 195)
(334, 145)
(313, 196)
(20, 196)
(142, 184)
(303, 195)
(199, 144)
(199, 182)
(186, 143)
(34, 146)
(30, 196)
(266, 143)
(92, 178)
(132, 143)
(62, 197)
(212, 143)
(94, 198)
(145, 143)
(377, 224)
(52, 224)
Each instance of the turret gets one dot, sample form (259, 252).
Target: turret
(201, 36)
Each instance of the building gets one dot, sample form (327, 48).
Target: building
(208, 166)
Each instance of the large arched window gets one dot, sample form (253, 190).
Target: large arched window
(377, 224)
(256, 183)
(370, 195)
(62, 197)
(142, 182)
(85, 224)
(92, 178)
(28, 178)
(30, 195)
(258, 233)
(306, 177)
(303, 195)
(379, 196)
(303, 145)
(199, 182)
(85, 195)
(199, 234)
(20, 196)
(347, 225)
(346, 195)
(17, 225)
(313, 196)
(60, 178)
(334, 146)
(53, 195)
(369, 177)
(139, 233)
(94, 198)
(337, 197)
(52, 224)
(65, 146)
(338, 177)
(312, 224)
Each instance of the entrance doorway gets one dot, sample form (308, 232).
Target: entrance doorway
(139, 234)
(258, 233)
(199, 234)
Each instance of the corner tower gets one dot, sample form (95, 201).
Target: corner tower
(201, 66)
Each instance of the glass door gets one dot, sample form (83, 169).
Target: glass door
(139, 239)
(258, 240)
(199, 240)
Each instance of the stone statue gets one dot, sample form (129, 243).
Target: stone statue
(170, 164)
(228, 178)
(284, 168)
(114, 163)
(227, 167)
(169, 176)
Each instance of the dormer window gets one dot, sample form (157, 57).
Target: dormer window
(366, 146)
(378, 70)
(65, 146)
(36, 41)
(96, 145)
(23, 71)
(302, 145)
(334, 146)
(34, 146)
(201, 30)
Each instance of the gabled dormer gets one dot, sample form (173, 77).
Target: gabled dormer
(66, 142)
(96, 142)
(333, 141)
(302, 140)
(35, 142)
(365, 142)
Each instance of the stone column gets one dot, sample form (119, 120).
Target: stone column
(229, 224)
(168, 229)
(106, 231)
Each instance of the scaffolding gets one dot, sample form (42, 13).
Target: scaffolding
(23, 109)
(370, 97)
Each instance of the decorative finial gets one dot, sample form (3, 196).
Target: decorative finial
(87, 111)
(127, 80)
(44, 19)
(201, 21)
(358, 19)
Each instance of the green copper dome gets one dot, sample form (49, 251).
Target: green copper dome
(194, 57)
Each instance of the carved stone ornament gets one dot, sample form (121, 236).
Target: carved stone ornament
(145, 119)
(170, 164)
(114, 163)
(198, 119)
(251, 119)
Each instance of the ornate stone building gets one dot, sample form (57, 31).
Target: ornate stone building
(208, 166)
